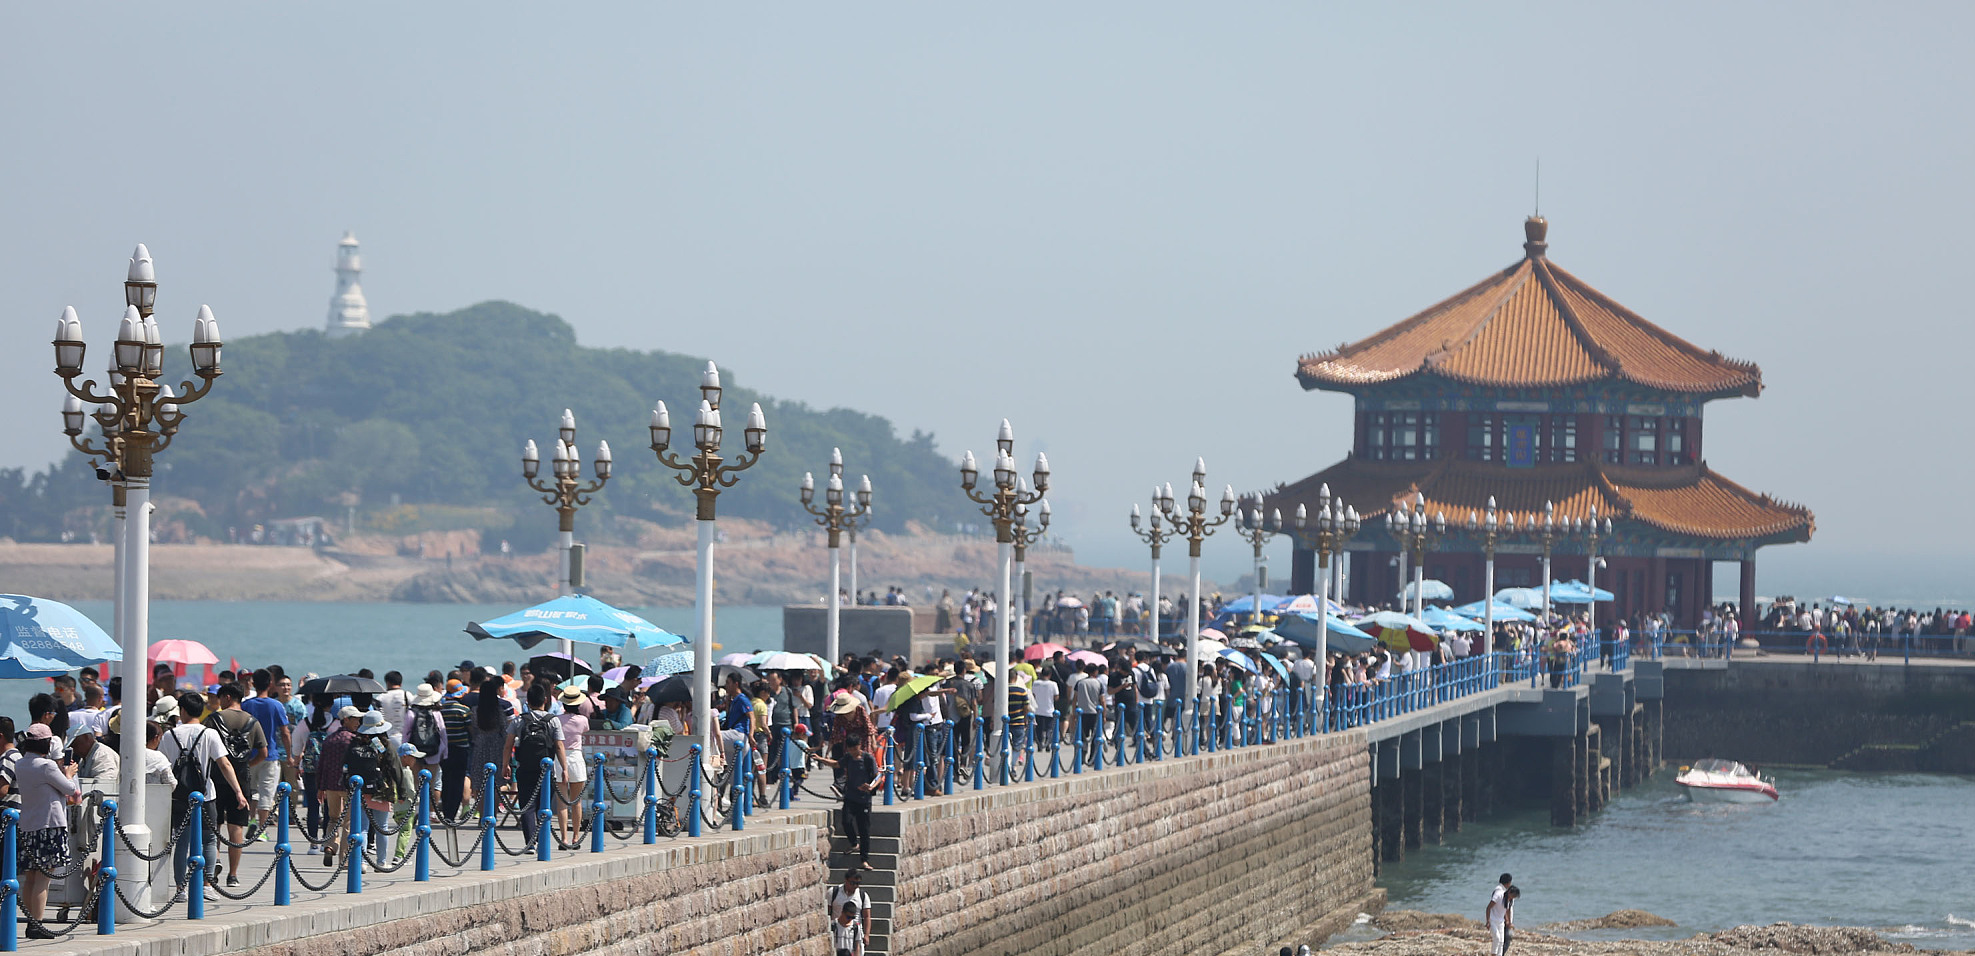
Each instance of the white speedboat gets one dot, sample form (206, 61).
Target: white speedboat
(1724, 781)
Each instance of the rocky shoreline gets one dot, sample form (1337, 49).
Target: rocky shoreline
(1440, 934)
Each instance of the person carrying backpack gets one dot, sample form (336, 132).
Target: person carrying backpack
(246, 749)
(458, 760)
(532, 736)
(197, 758)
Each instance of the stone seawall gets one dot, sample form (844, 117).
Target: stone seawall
(1221, 853)
(1815, 714)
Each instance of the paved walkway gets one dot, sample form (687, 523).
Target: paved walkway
(236, 925)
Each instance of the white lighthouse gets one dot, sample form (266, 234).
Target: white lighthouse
(348, 313)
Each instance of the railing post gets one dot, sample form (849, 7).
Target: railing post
(1077, 759)
(597, 805)
(918, 762)
(891, 765)
(359, 837)
(545, 811)
(195, 862)
(1029, 748)
(781, 766)
(1056, 747)
(487, 798)
(10, 883)
(1118, 736)
(980, 752)
(1138, 731)
(692, 799)
(1097, 741)
(106, 876)
(949, 757)
(422, 853)
(1001, 758)
(649, 816)
(741, 785)
(284, 795)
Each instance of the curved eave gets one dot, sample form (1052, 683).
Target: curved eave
(1313, 380)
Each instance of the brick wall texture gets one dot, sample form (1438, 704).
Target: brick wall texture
(1220, 853)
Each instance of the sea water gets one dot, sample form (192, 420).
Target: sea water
(1894, 852)
(412, 638)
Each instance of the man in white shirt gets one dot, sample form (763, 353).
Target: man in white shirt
(1497, 915)
(881, 698)
(1042, 703)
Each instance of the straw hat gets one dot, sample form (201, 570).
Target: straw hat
(844, 704)
(426, 696)
(572, 696)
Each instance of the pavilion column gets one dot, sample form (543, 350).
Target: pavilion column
(1747, 598)
(1656, 587)
(1302, 571)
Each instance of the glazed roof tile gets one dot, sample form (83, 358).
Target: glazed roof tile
(1532, 324)
(1692, 501)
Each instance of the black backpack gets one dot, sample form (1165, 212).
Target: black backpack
(190, 771)
(239, 743)
(536, 740)
(426, 730)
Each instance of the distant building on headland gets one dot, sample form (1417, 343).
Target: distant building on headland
(349, 314)
(1531, 386)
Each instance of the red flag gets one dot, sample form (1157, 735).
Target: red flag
(233, 664)
(211, 678)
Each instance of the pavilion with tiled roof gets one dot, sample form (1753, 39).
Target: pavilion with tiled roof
(1533, 387)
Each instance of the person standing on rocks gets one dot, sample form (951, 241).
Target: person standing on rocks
(1499, 915)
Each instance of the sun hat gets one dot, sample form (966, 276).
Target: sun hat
(407, 750)
(455, 689)
(844, 704)
(426, 696)
(572, 696)
(373, 723)
(165, 709)
(348, 712)
(39, 732)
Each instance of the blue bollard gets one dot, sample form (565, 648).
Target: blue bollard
(739, 789)
(747, 792)
(544, 811)
(1029, 749)
(918, 762)
(1077, 751)
(1055, 748)
(1001, 754)
(283, 893)
(487, 817)
(10, 883)
(651, 794)
(359, 836)
(422, 853)
(949, 758)
(1138, 730)
(692, 800)
(596, 806)
(980, 752)
(195, 906)
(106, 900)
(1118, 737)
(781, 767)
(891, 765)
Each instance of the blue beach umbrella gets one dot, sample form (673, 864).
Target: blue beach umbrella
(1301, 630)
(1238, 659)
(1525, 598)
(1577, 592)
(576, 617)
(1503, 612)
(1445, 620)
(43, 638)
(677, 662)
(1246, 603)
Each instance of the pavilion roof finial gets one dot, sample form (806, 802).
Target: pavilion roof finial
(1533, 230)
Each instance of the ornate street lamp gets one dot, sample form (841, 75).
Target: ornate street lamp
(1593, 530)
(1257, 531)
(139, 416)
(1025, 536)
(835, 516)
(1335, 524)
(706, 473)
(1194, 525)
(999, 506)
(1416, 532)
(1490, 532)
(1154, 536)
(565, 492)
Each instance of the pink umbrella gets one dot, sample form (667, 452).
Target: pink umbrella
(1042, 651)
(1088, 657)
(175, 651)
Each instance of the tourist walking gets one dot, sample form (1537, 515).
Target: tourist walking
(46, 788)
(847, 932)
(246, 750)
(852, 891)
(198, 760)
(860, 780)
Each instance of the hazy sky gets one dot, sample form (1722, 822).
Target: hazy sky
(1116, 225)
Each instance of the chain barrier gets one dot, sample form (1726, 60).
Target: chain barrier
(176, 898)
(472, 850)
(342, 860)
(164, 851)
(215, 886)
